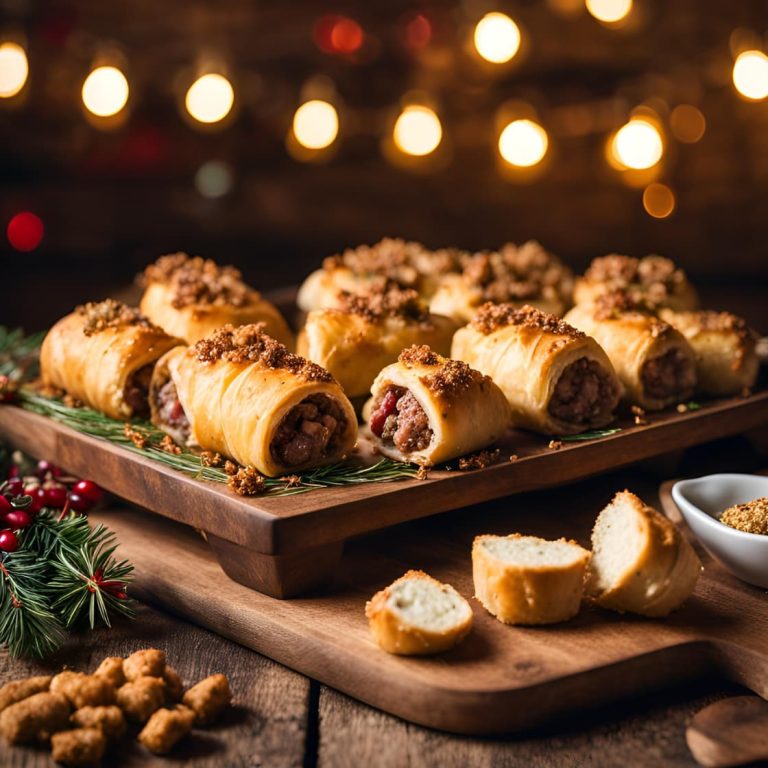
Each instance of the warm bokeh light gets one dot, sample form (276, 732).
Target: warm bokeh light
(750, 75)
(14, 69)
(497, 38)
(105, 91)
(637, 145)
(210, 98)
(338, 34)
(418, 131)
(658, 201)
(609, 11)
(25, 231)
(316, 124)
(688, 123)
(214, 179)
(523, 143)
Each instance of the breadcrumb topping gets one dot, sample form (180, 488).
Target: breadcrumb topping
(247, 481)
(392, 301)
(249, 344)
(110, 313)
(451, 378)
(515, 273)
(491, 317)
(751, 517)
(656, 276)
(479, 460)
(615, 303)
(197, 281)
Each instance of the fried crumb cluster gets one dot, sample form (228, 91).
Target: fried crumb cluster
(100, 315)
(249, 344)
(612, 304)
(451, 377)
(516, 273)
(211, 459)
(491, 317)
(136, 437)
(389, 301)
(392, 258)
(168, 445)
(247, 481)
(479, 460)
(82, 716)
(751, 517)
(657, 276)
(198, 281)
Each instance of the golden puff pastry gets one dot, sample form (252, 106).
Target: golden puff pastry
(518, 275)
(405, 264)
(192, 297)
(366, 332)
(653, 279)
(557, 380)
(103, 354)
(426, 409)
(654, 362)
(725, 347)
(242, 394)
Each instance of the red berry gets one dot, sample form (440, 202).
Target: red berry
(88, 490)
(55, 496)
(5, 506)
(45, 467)
(79, 503)
(38, 498)
(13, 471)
(15, 486)
(8, 541)
(18, 518)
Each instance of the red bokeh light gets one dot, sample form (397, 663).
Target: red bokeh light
(418, 32)
(25, 231)
(338, 34)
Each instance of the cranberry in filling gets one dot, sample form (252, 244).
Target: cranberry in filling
(398, 418)
(136, 392)
(309, 431)
(171, 412)
(669, 375)
(583, 393)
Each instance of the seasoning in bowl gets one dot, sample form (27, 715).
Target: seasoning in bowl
(751, 517)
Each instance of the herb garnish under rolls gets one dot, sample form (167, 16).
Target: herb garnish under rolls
(654, 362)
(365, 332)
(103, 354)
(557, 380)
(426, 408)
(191, 297)
(240, 393)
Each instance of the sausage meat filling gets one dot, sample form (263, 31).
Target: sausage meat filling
(171, 412)
(669, 375)
(136, 392)
(398, 418)
(583, 393)
(309, 432)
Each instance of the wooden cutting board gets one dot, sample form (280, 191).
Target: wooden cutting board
(285, 546)
(501, 678)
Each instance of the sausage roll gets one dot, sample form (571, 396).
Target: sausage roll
(367, 332)
(654, 362)
(652, 279)
(426, 409)
(517, 275)
(557, 380)
(242, 394)
(406, 264)
(103, 354)
(725, 347)
(192, 297)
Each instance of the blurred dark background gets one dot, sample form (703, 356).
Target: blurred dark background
(115, 193)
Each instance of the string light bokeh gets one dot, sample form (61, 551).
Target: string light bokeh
(14, 69)
(105, 91)
(418, 131)
(210, 98)
(497, 38)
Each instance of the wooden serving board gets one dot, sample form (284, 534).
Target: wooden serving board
(284, 546)
(500, 678)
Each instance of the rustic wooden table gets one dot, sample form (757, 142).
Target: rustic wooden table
(282, 718)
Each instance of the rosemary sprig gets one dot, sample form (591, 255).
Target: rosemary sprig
(594, 434)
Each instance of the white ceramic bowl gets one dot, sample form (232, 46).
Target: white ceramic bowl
(702, 500)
